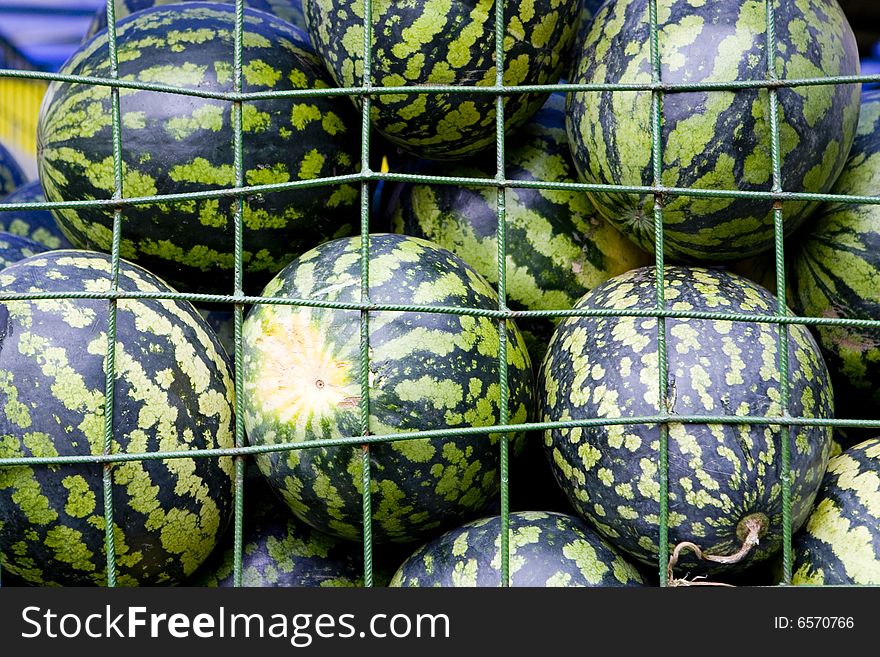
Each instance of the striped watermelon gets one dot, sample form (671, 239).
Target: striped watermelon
(14, 248)
(279, 550)
(288, 10)
(445, 42)
(11, 175)
(173, 393)
(546, 549)
(38, 225)
(427, 371)
(181, 144)
(840, 544)
(713, 139)
(719, 475)
(558, 246)
(836, 266)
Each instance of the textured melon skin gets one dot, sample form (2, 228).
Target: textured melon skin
(38, 225)
(14, 248)
(836, 267)
(181, 144)
(11, 175)
(558, 245)
(427, 371)
(287, 10)
(279, 550)
(840, 544)
(546, 549)
(173, 392)
(604, 367)
(713, 139)
(445, 42)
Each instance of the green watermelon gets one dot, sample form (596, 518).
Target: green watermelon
(841, 541)
(288, 10)
(279, 550)
(719, 475)
(427, 371)
(713, 140)
(836, 267)
(11, 174)
(14, 248)
(447, 42)
(558, 246)
(38, 225)
(181, 144)
(173, 393)
(546, 549)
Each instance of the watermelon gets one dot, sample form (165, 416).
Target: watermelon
(721, 477)
(841, 541)
(713, 139)
(448, 42)
(546, 549)
(181, 144)
(38, 225)
(288, 10)
(279, 550)
(14, 248)
(173, 392)
(558, 246)
(11, 174)
(836, 267)
(427, 371)
(221, 319)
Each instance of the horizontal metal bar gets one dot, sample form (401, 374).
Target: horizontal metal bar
(488, 90)
(233, 192)
(356, 441)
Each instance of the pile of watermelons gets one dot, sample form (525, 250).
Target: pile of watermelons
(585, 492)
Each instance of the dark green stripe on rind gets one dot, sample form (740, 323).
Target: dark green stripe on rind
(38, 225)
(11, 175)
(445, 42)
(427, 371)
(840, 544)
(546, 549)
(559, 247)
(837, 272)
(173, 392)
(713, 140)
(182, 144)
(287, 10)
(606, 367)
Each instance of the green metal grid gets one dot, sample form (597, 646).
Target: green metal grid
(776, 196)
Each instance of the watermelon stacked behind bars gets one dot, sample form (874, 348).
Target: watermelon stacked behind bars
(836, 266)
(558, 246)
(721, 476)
(426, 371)
(288, 10)
(173, 392)
(546, 549)
(14, 248)
(11, 175)
(38, 225)
(713, 140)
(445, 42)
(840, 544)
(183, 144)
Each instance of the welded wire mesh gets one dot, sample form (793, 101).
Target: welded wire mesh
(775, 198)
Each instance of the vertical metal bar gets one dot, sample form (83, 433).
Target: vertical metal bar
(365, 294)
(110, 358)
(238, 217)
(781, 309)
(503, 395)
(660, 292)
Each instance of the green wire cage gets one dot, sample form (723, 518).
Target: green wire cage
(774, 198)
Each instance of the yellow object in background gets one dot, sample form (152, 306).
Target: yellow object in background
(19, 110)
